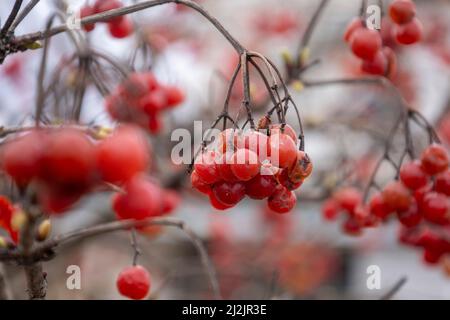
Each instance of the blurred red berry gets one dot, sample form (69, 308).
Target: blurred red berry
(402, 11)
(434, 159)
(134, 282)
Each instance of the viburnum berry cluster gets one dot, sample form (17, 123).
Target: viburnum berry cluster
(420, 200)
(119, 27)
(141, 99)
(367, 44)
(253, 164)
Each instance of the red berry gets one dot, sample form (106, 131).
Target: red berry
(21, 156)
(302, 168)
(142, 199)
(134, 282)
(174, 96)
(256, 142)
(377, 66)
(402, 11)
(223, 164)
(261, 186)
(245, 164)
(229, 193)
(435, 208)
(412, 175)
(419, 194)
(282, 200)
(409, 33)
(217, 204)
(432, 256)
(57, 200)
(411, 217)
(154, 101)
(442, 183)
(378, 208)
(330, 210)
(363, 217)
(351, 227)
(365, 43)
(396, 196)
(199, 184)
(121, 29)
(69, 158)
(206, 167)
(87, 11)
(354, 25)
(282, 150)
(122, 155)
(348, 198)
(284, 180)
(287, 129)
(434, 159)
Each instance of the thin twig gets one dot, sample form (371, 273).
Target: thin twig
(397, 286)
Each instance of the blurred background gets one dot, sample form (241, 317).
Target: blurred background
(257, 253)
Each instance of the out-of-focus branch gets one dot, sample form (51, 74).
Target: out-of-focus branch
(397, 286)
(5, 293)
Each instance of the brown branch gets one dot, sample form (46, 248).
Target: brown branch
(5, 293)
(22, 15)
(397, 286)
(11, 17)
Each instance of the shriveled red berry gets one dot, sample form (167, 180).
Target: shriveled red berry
(121, 29)
(142, 199)
(434, 159)
(330, 210)
(134, 282)
(348, 198)
(206, 167)
(122, 155)
(261, 186)
(245, 164)
(409, 33)
(396, 196)
(376, 66)
(378, 208)
(354, 25)
(402, 11)
(435, 207)
(282, 200)
(413, 176)
(365, 43)
(411, 217)
(301, 169)
(229, 193)
(442, 183)
(284, 179)
(199, 184)
(282, 150)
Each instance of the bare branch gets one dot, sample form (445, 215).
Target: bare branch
(397, 286)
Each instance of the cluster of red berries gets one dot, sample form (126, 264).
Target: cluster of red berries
(141, 98)
(134, 282)
(119, 27)
(420, 197)
(367, 44)
(254, 164)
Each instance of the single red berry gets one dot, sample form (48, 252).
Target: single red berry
(301, 169)
(442, 183)
(217, 204)
(261, 186)
(435, 208)
(121, 29)
(123, 155)
(229, 193)
(396, 196)
(199, 184)
(411, 217)
(87, 11)
(69, 158)
(142, 199)
(348, 198)
(378, 208)
(376, 66)
(413, 176)
(354, 25)
(284, 179)
(174, 96)
(330, 210)
(351, 227)
(57, 200)
(245, 164)
(286, 129)
(432, 256)
(223, 164)
(257, 142)
(365, 43)
(434, 159)
(21, 156)
(409, 33)
(206, 167)
(282, 200)
(282, 150)
(134, 282)
(402, 11)
(419, 194)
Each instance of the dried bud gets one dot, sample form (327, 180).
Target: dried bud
(3, 243)
(264, 123)
(18, 220)
(44, 230)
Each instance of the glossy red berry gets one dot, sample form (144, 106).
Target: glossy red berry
(223, 163)
(199, 184)
(217, 204)
(330, 210)
(282, 150)
(206, 167)
(245, 164)
(87, 11)
(409, 33)
(376, 66)
(142, 199)
(121, 29)
(378, 207)
(229, 193)
(413, 176)
(396, 196)
(123, 155)
(442, 183)
(354, 25)
(365, 43)
(411, 217)
(348, 198)
(261, 186)
(257, 142)
(435, 207)
(174, 96)
(278, 128)
(134, 282)
(402, 11)
(282, 200)
(434, 159)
